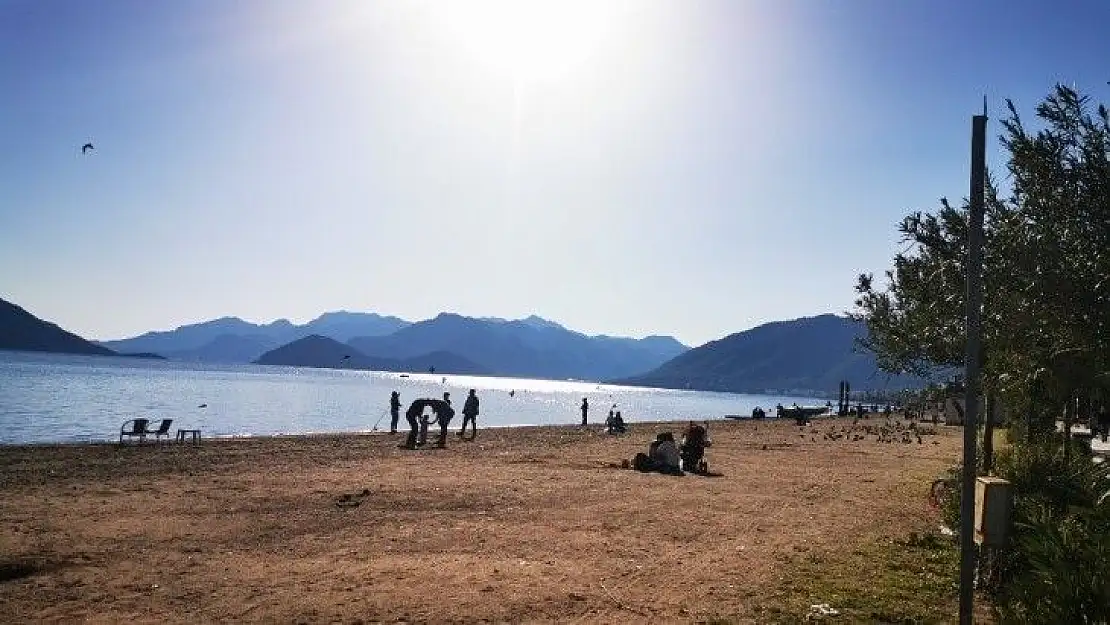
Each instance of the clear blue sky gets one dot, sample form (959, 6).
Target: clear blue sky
(631, 167)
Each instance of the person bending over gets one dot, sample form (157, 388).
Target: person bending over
(444, 414)
(412, 415)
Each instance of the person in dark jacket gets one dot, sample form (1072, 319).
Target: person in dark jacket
(692, 450)
(394, 411)
(444, 414)
(585, 410)
(413, 415)
(470, 415)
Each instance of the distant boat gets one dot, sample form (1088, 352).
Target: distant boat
(802, 411)
(404, 375)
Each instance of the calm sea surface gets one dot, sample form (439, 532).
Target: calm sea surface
(60, 398)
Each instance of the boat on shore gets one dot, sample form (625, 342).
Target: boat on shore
(785, 412)
(801, 411)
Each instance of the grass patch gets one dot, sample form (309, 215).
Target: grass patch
(890, 581)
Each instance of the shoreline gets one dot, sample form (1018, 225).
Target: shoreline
(401, 432)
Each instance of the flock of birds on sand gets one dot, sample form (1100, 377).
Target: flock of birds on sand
(891, 431)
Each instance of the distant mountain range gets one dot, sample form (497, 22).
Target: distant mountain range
(807, 356)
(530, 347)
(321, 351)
(233, 340)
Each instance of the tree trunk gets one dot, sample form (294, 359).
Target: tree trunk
(988, 434)
(1068, 410)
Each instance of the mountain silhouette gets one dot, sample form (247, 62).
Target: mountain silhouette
(228, 348)
(531, 347)
(810, 355)
(233, 340)
(20, 330)
(320, 351)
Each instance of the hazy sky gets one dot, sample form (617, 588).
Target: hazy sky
(630, 167)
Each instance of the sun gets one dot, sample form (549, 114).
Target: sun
(528, 40)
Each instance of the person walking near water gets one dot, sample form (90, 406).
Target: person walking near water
(470, 415)
(585, 410)
(394, 411)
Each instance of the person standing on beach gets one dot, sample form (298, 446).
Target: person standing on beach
(585, 410)
(470, 415)
(394, 411)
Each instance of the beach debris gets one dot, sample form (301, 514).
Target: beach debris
(352, 500)
(621, 604)
(820, 611)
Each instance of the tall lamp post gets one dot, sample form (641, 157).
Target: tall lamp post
(972, 362)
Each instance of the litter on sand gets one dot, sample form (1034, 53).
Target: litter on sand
(821, 610)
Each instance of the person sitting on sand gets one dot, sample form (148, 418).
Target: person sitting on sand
(662, 456)
(614, 424)
(694, 442)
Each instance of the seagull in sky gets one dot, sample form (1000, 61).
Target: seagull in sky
(85, 148)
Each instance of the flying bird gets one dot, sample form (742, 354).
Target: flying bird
(85, 148)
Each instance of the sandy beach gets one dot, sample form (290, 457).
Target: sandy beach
(521, 525)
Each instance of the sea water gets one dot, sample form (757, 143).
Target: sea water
(47, 398)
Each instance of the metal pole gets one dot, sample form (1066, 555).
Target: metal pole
(971, 362)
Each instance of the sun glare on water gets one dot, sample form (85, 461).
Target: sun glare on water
(527, 40)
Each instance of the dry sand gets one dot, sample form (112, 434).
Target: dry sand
(526, 524)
